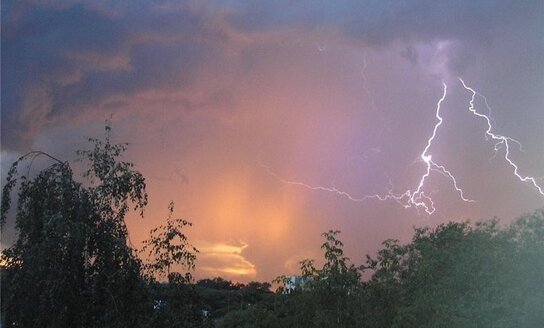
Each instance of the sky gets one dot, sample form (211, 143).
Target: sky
(268, 123)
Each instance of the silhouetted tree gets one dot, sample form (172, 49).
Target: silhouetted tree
(70, 265)
(176, 301)
(455, 275)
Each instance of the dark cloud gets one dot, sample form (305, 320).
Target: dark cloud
(378, 22)
(64, 58)
(60, 60)
(36, 42)
(151, 66)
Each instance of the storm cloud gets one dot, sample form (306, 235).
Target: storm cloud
(66, 58)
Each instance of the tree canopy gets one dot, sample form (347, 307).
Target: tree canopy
(455, 275)
(72, 264)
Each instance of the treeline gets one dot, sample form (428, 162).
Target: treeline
(72, 265)
(220, 296)
(455, 275)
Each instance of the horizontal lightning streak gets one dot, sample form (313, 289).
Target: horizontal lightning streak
(409, 198)
(321, 188)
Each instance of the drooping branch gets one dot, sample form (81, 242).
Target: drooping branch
(11, 179)
(36, 153)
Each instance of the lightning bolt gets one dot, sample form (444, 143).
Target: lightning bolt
(418, 198)
(322, 188)
(410, 198)
(500, 140)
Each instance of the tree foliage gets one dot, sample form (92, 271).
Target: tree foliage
(72, 264)
(176, 302)
(460, 276)
(455, 275)
(169, 246)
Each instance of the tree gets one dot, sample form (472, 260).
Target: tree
(176, 302)
(453, 275)
(169, 246)
(458, 275)
(330, 297)
(335, 287)
(71, 265)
